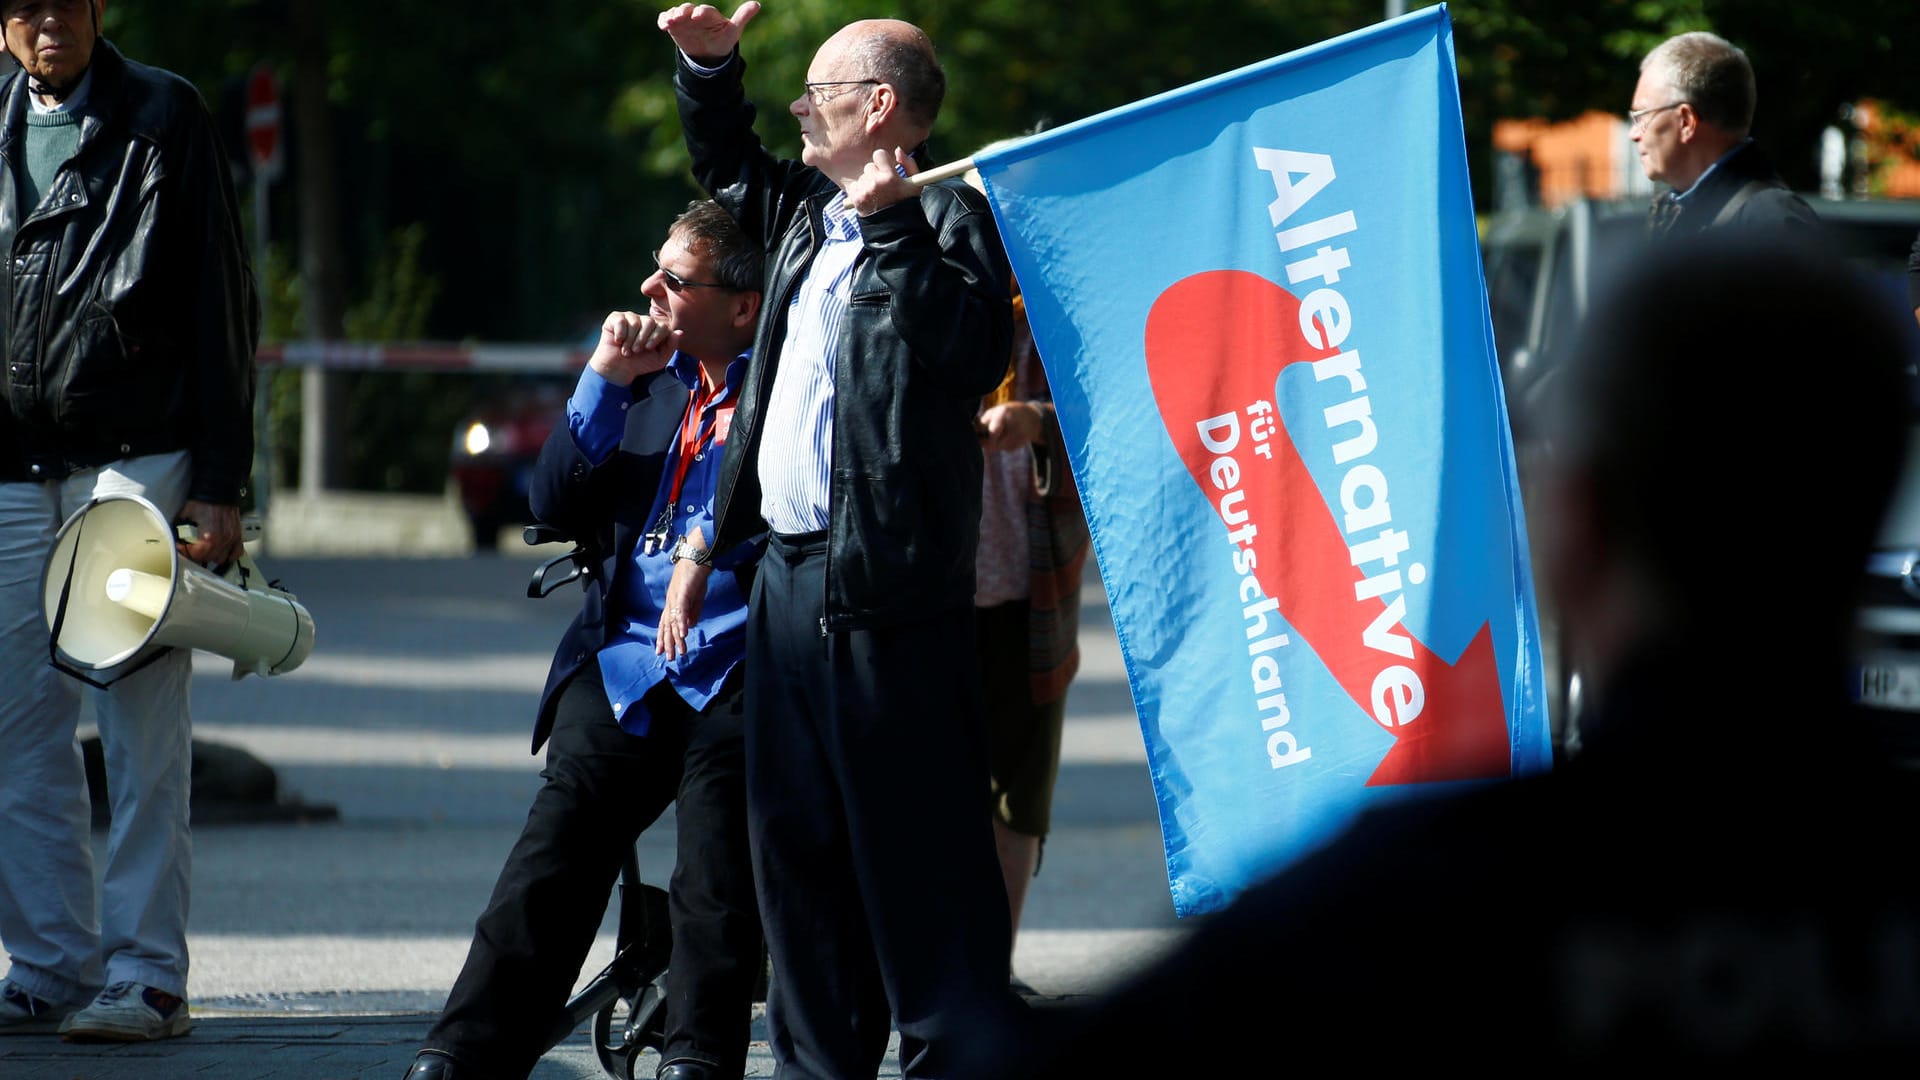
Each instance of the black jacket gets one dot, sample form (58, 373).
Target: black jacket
(927, 331)
(1743, 193)
(604, 508)
(130, 315)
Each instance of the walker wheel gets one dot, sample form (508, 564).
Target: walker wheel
(624, 1030)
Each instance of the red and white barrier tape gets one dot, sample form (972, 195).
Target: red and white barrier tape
(421, 356)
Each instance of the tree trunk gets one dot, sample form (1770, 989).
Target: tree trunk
(322, 280)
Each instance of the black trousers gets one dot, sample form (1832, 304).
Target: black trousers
(603, 787)
(872, 840)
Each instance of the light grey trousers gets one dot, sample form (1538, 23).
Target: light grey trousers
(63, 945)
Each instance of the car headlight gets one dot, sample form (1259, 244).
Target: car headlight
(478, 440)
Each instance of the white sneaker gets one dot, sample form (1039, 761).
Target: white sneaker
(128, 1012)
(23, 1014)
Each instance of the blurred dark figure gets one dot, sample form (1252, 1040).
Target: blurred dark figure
(1913, 278)
(1689, 120)
(1725, 874)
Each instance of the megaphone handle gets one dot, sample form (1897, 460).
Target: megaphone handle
(186, 532)
(60, 609)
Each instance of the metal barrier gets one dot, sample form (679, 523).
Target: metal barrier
(314, 359)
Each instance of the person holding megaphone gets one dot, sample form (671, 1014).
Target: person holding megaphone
(130, 320)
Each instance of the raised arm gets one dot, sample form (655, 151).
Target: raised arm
(703, 34)
(728, 160)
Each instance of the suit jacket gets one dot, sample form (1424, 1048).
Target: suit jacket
(605, 508)
(1743, 193)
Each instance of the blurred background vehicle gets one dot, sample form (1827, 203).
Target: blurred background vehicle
(1542, 267)
(494, 450)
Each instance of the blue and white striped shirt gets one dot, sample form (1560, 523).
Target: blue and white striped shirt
(796, 448)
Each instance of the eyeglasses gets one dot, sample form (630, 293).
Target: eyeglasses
(816, 99)
(1637, 118)
(679, 284)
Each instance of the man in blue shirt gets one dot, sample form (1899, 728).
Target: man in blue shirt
(640, 700)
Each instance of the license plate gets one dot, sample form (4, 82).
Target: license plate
(1888, 685)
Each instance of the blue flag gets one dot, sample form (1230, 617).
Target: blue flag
(1260, 305)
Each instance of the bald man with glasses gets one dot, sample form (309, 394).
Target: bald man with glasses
(888, 316)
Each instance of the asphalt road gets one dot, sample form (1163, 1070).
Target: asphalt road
(412, 718)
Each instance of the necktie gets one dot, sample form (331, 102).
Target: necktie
(1661, 216)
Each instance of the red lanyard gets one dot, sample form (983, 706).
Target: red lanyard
(694, 435)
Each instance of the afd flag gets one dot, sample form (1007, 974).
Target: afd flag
(1260, 305)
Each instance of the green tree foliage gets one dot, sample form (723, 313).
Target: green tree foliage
(1813, 59)
(401, 419)
(545, 153)
(417, 408)
(535, 153)
(1519, 58)
(1009, 68)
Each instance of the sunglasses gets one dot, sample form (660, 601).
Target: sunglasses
(679, 284)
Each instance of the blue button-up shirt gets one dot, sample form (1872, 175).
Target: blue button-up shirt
(1681, 196)
(596, 415)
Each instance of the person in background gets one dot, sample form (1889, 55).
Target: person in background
(1691, 112)
(1033, 551)
(130, 319)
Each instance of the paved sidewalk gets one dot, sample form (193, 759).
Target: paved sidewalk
(249, 1047)
(294, 1048)
(321, 951)
(329, 1047)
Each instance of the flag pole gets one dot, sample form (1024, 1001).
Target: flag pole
(943, 172)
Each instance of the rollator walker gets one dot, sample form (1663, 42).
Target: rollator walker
(626, 1003)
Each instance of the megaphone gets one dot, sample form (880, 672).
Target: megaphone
(116, 591)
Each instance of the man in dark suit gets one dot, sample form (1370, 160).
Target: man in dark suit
(1691, 112)
(637, 704)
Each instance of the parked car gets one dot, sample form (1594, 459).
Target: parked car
(494, 450)
(1541, 269)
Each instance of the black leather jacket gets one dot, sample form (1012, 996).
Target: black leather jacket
(130, 315)
(928, 330)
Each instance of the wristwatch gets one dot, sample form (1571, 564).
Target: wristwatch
(699, 556)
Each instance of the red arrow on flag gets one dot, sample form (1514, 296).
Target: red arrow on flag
(1216, 343)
